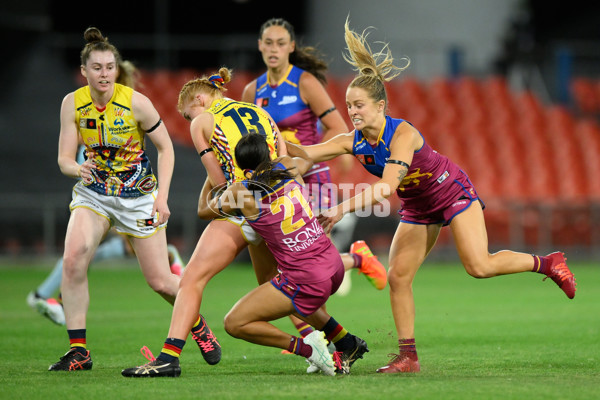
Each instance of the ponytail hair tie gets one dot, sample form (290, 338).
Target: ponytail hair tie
(217, 81)
(248, 171)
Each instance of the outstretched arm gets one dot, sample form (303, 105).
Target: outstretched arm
(341, 144)
(406, 140)
(235, 198)
(297, 165)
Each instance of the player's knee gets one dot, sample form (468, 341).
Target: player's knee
(232, 325)
(73, 270)
(163, 287)
(478, 269)
(398, 277)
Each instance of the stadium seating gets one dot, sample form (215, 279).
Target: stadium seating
(516, 149)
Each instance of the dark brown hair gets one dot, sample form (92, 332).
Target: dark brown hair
(95, 41)
(252, 153)
(306, 57)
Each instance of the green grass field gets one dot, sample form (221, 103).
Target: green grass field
(511, 337)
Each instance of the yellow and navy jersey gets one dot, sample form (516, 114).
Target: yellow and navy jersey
(117, 143)
(232, 120)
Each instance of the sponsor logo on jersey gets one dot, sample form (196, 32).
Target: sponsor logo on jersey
(360, 145)
(288, 100)
(305, 238)
(119, 130)
(460, 203)
(443, 177)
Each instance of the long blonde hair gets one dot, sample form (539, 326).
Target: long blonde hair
(213, 85)
(373, 68)
(128, 74)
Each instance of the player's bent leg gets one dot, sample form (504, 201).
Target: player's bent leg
(265, 268)
(263, 262)
(248, 319)
(151, 253)
(409, 248)
(84, 233)
(218, 246)
(470, 236)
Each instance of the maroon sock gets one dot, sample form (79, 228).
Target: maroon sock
(297, 346)
(304, 329)
(408, 347)
(540, 265)
(357, 260)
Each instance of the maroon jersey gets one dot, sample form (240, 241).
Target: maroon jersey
(294, 235)
(433, 185)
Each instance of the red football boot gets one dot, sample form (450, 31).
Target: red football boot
(402, 362)
(561, 274)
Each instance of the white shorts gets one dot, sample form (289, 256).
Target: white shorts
(130, 216)
(249, 234)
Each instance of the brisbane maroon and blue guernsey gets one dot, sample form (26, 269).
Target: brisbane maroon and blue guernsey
(433, 182)
(294, 235)
(296, 122)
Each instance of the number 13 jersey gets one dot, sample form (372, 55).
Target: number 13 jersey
(232, 120)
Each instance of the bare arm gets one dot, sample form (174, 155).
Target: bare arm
(204, 200)
(314, 94)
(248, 94)
(201, 129)
(298, 166)
(301, 159)
(147, 117)
(235, 198)
(68, 143)
(281, 144)
(341, 144)
(405, 141)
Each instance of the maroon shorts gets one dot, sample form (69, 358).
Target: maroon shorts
(307, 298)
(444, 207)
